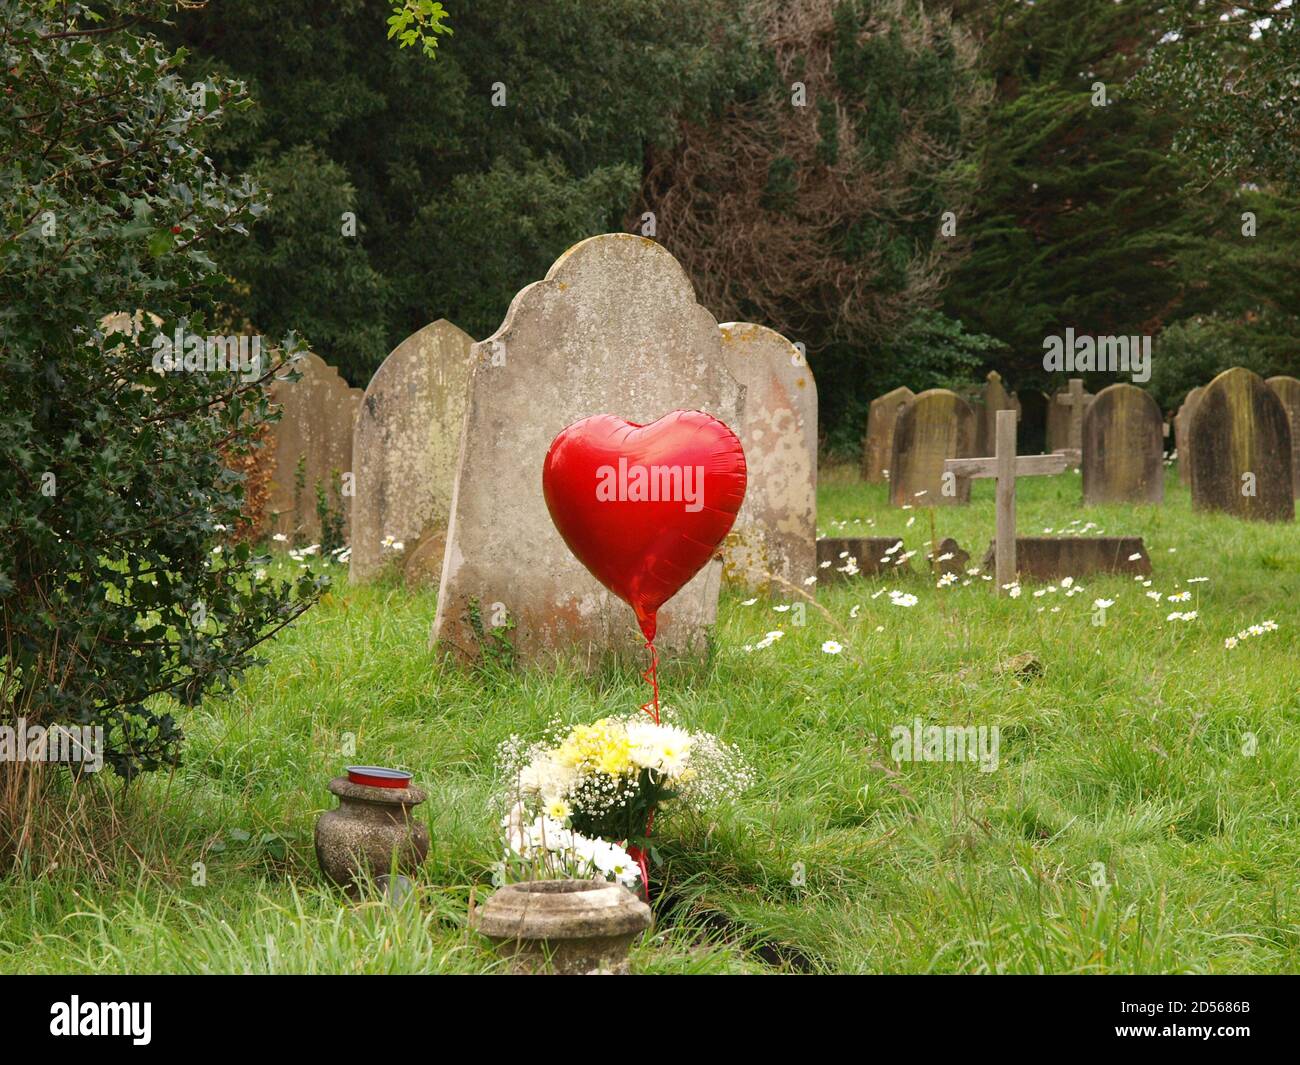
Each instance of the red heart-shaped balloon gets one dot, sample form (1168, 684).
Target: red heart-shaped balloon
(644, 507)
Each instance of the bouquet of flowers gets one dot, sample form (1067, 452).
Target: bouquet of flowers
(605, 781)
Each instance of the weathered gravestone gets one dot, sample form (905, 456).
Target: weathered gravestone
(936, 426)
(775, 534)
(1288, 391)
(311, 453)
(1049, 558)
(882, 417)
(1123, 447)
(1182, 434)
(996, 398)
(613, 328)
(1241, 449)
(842, 557)
(404, 453)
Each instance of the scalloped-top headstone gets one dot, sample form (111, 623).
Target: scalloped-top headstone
(614, 328)
(1288, 391)
(1123, 447)
(311, 446)
(775, 534)
(1241, 449)
(882, 417)
(936, 426)
(404, 451)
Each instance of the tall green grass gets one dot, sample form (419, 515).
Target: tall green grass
(1125, 830)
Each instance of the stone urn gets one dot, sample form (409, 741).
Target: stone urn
(372, 823)
(563, 927)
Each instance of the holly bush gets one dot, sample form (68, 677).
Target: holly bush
(123, 590)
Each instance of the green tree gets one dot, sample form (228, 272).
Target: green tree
(819, 202)
(468, 175)
(117, 588)
(1232, 72)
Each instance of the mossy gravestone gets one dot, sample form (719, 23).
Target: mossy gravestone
(1123, 448)
(1288, 391)
(882, 417)
(614, 328)
(1241, 449)
(775, 535)
(404, 453)
(936, 426)
(1183, 434)
(311, 453)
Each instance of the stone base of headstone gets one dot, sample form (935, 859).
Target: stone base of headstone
(866, 553)
(1048, 558)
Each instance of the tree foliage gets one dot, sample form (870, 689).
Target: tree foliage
(114, 487)
(814, 202)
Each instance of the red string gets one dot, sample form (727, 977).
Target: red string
(652, 675)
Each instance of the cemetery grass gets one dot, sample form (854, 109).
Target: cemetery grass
(1124, 830)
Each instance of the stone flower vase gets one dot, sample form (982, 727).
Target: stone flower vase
(370, 825)
(564, 927)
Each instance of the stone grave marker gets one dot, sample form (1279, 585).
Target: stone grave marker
(775, 535)
(310, 449)
(1123, 447)
(404, 453)
(1006, 466)
(1241, 449)
(877, 449)
(1049, 558)
(936, 426)
(613, 328)
(1075, 401)
(1288, 391)
(996, 398)
(1182, 434)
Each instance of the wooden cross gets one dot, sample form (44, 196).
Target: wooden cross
(1006, 466)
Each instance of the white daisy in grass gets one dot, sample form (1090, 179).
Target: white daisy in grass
(877, 595)
(974, 571)
(1179, 597)
(902, 599)
(895, 547)
(1103, 604)
(749, 602)
(1066, 582)
(910, 522)
(831, 647)
(810, 580)
(1014, 591)
(769, 639)
(827, 563)
(1197, 580)
(1230, 642)
(855, 610)
(781, 608)
(280, 538)
(1176, 616)
(947, 580)
(1155, 596)
(1172, 550)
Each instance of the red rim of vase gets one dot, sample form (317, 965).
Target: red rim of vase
(378, 777)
